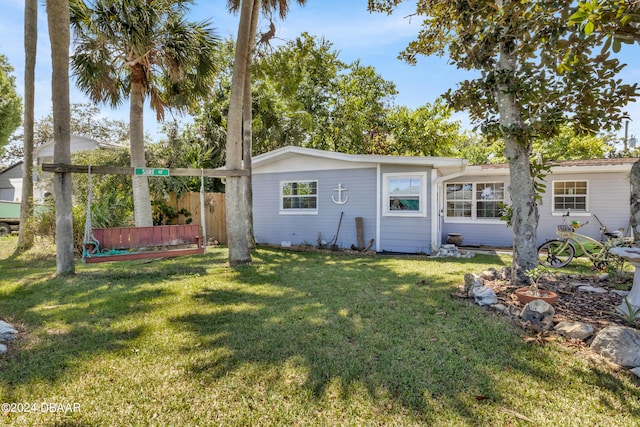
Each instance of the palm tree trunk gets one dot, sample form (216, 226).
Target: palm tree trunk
(59, 36)
(141, 198)
(247, 117)
(236, 226)
(25, 238)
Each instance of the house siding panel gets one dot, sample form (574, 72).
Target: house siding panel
(7, 190)
(608, 199)
(478, 232)
(272, 227)
(498, 235)
(406, 234)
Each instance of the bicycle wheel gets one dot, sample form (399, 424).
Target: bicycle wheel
(555, 253)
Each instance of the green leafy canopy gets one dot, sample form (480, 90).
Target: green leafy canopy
(10, 103)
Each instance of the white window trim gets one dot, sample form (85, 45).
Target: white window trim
(284, 211)
(474, 219)
(586, 212)
(422, 212)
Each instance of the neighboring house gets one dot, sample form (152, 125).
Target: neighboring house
(11, 183)
(11, 178)
(412, 204)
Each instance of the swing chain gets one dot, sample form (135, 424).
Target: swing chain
(90, 244)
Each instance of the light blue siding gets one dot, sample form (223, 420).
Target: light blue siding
(272, 227)
(608, 199)
(480, 234)
(398, 234)
(406, 234)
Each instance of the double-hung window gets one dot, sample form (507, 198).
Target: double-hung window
(471, 201)
(405, 194)
(570, 196)
(299, 197)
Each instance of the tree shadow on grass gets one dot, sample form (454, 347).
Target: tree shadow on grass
(65, 319)
(390, 331)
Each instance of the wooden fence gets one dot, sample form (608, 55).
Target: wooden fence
(215, 212)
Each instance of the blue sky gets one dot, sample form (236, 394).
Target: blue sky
(374, 39)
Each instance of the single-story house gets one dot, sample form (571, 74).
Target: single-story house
(11, 177)
(413, 204)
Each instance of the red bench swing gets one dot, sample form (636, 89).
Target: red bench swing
(130, 243)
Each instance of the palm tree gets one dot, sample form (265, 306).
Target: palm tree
(25, 239)
(141, 49)
(59, 36)
(238, 189)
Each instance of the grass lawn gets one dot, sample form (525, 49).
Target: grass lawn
(293, 339)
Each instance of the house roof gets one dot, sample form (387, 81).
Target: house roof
(567, 166)
(446, 165)
(10, 167)
(77, 143)
(300, 158)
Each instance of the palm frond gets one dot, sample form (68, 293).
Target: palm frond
(112, 37)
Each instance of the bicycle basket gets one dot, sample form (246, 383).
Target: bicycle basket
(564, 231)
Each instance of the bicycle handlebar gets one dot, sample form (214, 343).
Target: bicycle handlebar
(572, 225)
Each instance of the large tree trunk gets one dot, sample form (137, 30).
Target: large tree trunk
(239, 252)
(59, 36)
(141, 198)
(635, 202)
(26, 236)
(517, 151)
(247, 135)
(525, 210)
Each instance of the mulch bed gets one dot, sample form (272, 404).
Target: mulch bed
(573, 304)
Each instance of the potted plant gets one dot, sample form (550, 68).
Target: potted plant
(533, 292)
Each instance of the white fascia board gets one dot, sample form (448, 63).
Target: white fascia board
(363, 159)
(591, 169)
(560, 169)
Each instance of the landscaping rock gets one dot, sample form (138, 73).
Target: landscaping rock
(538, 313)
(471, 281)
(505, 272)
(7, 332)
(483, 295)
(500, 308)
(593, 289)
(490, 274)
(3, 348)
(450, 250)
(574, 285)
(619, 292)
(636, 371)
(579, 330)
(514, 311)
(620, 344)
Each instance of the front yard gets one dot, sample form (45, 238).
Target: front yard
(296, 338)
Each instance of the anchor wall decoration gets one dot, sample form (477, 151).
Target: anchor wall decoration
(340, 190)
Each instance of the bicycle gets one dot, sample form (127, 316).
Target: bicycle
(559, 252)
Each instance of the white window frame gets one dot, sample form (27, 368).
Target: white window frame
(559, 212)
(298, 211)
(474, 203)
(422, 196)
